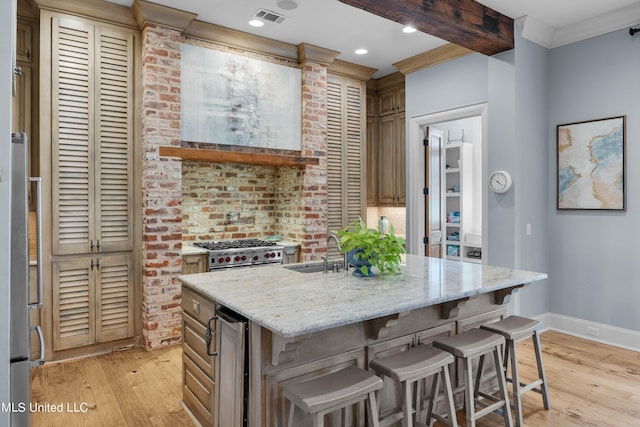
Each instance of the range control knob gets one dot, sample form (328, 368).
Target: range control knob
(256, 257)
(220, 260)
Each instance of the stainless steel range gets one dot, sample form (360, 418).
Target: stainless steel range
(242, 253)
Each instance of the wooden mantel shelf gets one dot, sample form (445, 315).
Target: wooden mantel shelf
(221, 156)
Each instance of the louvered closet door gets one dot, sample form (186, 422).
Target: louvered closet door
(73, 302)
(114, 121)
(72, 135)
(114, 314)
(92, 133)
(346, 123)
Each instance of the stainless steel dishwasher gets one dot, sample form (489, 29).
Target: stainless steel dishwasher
(233, 368)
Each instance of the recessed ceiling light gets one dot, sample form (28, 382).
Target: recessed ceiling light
(361, 51)
(287, 4)
(256, 23)
(409, 29)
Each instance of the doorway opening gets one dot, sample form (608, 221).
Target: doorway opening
(448, 222)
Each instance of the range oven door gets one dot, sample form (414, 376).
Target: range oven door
(232, 369)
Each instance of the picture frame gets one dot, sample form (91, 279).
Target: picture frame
(591, 165)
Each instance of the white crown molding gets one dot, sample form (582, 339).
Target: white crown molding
(549, 37)
(535, 31)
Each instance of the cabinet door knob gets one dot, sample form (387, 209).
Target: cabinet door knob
(91, 244)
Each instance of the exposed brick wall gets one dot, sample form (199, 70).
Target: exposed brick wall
(237, 200)
(161, 188)
(314, 144)
(223, 201)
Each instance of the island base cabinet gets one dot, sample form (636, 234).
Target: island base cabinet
(278, 410)
(198, 358)
(198, 392)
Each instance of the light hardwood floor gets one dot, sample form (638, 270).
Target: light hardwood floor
(590, 385)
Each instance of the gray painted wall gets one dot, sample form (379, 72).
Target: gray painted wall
(594, 262)
(514, 86)
(7, 38)
(590, 256)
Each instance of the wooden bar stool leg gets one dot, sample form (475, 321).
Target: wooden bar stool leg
(502, 385)
(448, 397)
(470, 406)
(318, 420)
(292, 411)
(406, 404)
(372, 405)
(543, 387)
(478, 377)
(434, 390)
(515, 382)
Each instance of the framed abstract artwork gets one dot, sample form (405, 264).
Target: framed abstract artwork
(591, 165)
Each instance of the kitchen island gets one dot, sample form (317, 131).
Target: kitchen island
(300, 325)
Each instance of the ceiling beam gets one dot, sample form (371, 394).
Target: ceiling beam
(464, 22)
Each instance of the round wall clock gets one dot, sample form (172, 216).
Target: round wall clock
(500, 182)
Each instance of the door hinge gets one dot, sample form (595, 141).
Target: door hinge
(425, 142)
(425, 191)
(425, 240)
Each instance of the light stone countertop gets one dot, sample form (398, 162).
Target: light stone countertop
(187, 249)
(292, 303)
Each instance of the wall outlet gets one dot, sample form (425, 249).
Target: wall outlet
(593, 331)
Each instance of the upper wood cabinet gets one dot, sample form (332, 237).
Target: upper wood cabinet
(346, 148)
(92, 85)
(386, 170)
(391, 170)
(391, 101)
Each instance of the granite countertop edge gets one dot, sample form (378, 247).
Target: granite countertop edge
(304, 303)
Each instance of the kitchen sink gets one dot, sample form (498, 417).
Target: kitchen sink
(315, 266)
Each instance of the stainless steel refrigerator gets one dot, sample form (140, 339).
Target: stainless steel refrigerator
(21, 361)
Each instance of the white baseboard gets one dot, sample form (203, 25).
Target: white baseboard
(594, 331)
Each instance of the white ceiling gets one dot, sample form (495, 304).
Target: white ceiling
(334, 25)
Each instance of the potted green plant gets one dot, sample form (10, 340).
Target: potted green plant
(368, 247)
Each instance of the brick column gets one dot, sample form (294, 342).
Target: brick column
(314, 144)
(161, 187)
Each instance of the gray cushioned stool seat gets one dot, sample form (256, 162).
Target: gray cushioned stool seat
(333, 391)
(418, 362)
(470, 343)
(513, 327)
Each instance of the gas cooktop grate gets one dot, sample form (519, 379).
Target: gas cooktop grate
(234, 244)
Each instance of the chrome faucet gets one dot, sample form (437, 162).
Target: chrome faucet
(332, 236)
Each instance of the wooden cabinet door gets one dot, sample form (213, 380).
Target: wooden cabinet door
(92, 126)
(400, 158)
(114, 138)
(114, 297)
(387, 103)
(194, 263)
(92, 300)
(386, 172)
(73, 302)
(372, 164)
(346, 149)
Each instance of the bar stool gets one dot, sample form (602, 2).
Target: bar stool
(416, 364)
(331, 392)
(467, 346)
(515, 329)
